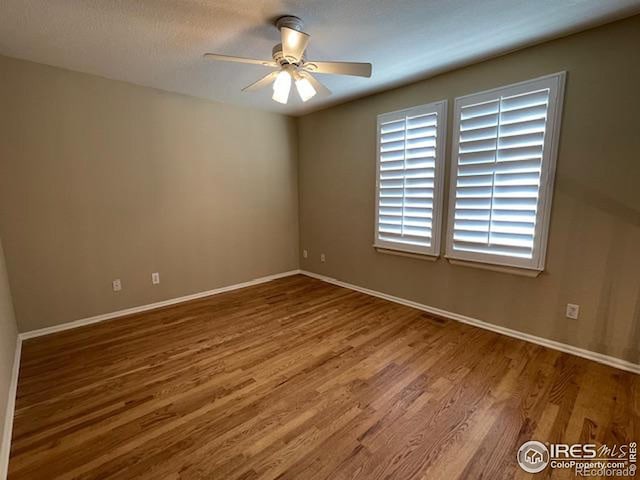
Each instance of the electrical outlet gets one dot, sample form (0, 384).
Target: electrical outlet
(305, 254)
(117, 285)
(573, 311)
(155, 278)
(323, 258)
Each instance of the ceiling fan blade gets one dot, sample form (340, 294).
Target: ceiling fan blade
(317, 85)
(263, 82)
(227, 58)
(294, 44)
(339, 68)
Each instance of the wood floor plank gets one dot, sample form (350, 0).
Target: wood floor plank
(299, 379)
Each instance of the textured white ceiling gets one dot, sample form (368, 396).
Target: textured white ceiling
(160, 43)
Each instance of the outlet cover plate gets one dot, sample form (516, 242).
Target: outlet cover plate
(573, 311)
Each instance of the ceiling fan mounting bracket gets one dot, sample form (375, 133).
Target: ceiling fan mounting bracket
(291, 22)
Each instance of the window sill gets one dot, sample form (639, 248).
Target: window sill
(400, 253)
(523, 272)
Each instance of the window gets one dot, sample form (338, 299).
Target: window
(503, 164)
(410, 176)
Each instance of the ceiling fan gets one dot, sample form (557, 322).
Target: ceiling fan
(291, 65)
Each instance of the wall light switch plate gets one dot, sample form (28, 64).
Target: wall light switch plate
(155, 278)
(573, 311)
(117, 285)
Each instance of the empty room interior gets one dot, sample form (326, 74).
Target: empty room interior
(319, 240)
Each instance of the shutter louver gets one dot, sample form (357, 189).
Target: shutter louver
(408, 165)
(498, 175)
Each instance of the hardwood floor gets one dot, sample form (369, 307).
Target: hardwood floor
(299, 379)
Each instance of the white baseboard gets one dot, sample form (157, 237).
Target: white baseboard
(563, 347)
(151, 306)
(5, 446)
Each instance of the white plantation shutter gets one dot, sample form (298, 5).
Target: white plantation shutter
(504, 147)
(409, 179)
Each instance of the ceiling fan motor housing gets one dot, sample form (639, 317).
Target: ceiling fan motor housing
(280, 59)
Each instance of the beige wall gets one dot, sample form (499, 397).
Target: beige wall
(102, 179)
(8, 336)
(594, 247)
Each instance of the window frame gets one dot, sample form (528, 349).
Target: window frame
(440, 108)
(556, 85)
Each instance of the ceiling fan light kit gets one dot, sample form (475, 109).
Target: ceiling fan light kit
(304, 88)
(289, 59)
(282, 87)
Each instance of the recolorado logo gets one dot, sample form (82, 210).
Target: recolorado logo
(585, 459)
